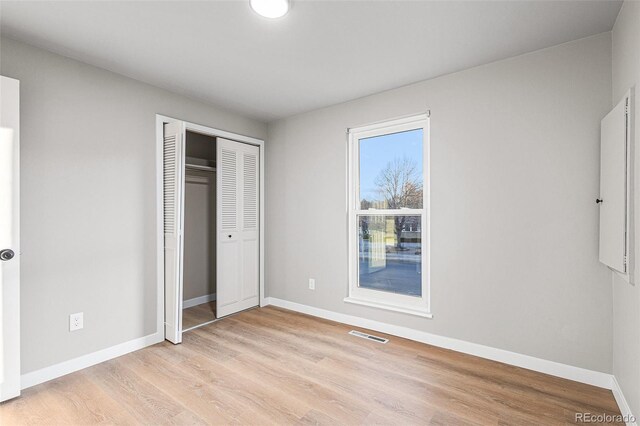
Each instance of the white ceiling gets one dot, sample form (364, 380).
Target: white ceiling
(319, 54)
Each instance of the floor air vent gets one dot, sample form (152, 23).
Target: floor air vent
(368, 336)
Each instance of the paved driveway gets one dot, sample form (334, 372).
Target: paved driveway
(399, 276)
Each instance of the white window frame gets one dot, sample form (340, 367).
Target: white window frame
(420, 306)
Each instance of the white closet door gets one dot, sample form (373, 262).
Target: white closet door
(237, 226)
(174, 148)
(614, 160)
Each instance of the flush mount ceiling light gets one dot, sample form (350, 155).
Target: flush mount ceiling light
(270, 8)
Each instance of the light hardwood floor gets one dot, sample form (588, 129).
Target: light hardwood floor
(198, 314)
(272, 366)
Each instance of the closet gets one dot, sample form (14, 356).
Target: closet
(211, 209)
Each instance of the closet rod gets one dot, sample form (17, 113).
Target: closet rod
(199, 167)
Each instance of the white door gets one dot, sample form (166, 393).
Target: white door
(9, 238)
(614, 186)
(238, 247)
(174, 148)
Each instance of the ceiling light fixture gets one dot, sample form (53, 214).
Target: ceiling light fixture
(270, 8)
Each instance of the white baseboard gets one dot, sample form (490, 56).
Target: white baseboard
(198, 300)
(622, 402)
(582, 375)
(66, 367)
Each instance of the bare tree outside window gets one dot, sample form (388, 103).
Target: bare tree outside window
(399, 185)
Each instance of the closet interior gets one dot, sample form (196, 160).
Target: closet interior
(199, 273)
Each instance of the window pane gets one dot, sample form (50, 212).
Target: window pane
(389, 251)
(391, 175)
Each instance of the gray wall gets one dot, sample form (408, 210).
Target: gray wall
(626, 297)
(515, 160)
(89, 200)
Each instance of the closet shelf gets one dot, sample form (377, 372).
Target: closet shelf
(199, 167)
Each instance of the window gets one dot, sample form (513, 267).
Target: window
(388, 222)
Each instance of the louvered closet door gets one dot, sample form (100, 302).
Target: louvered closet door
(174, 142)
(237, 226)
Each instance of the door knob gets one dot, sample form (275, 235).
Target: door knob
(598, 200)
(6, 254)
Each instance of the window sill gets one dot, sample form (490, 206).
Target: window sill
(412, 311)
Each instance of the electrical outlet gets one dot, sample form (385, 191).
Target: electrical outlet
(76, 321)
(312, 284)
